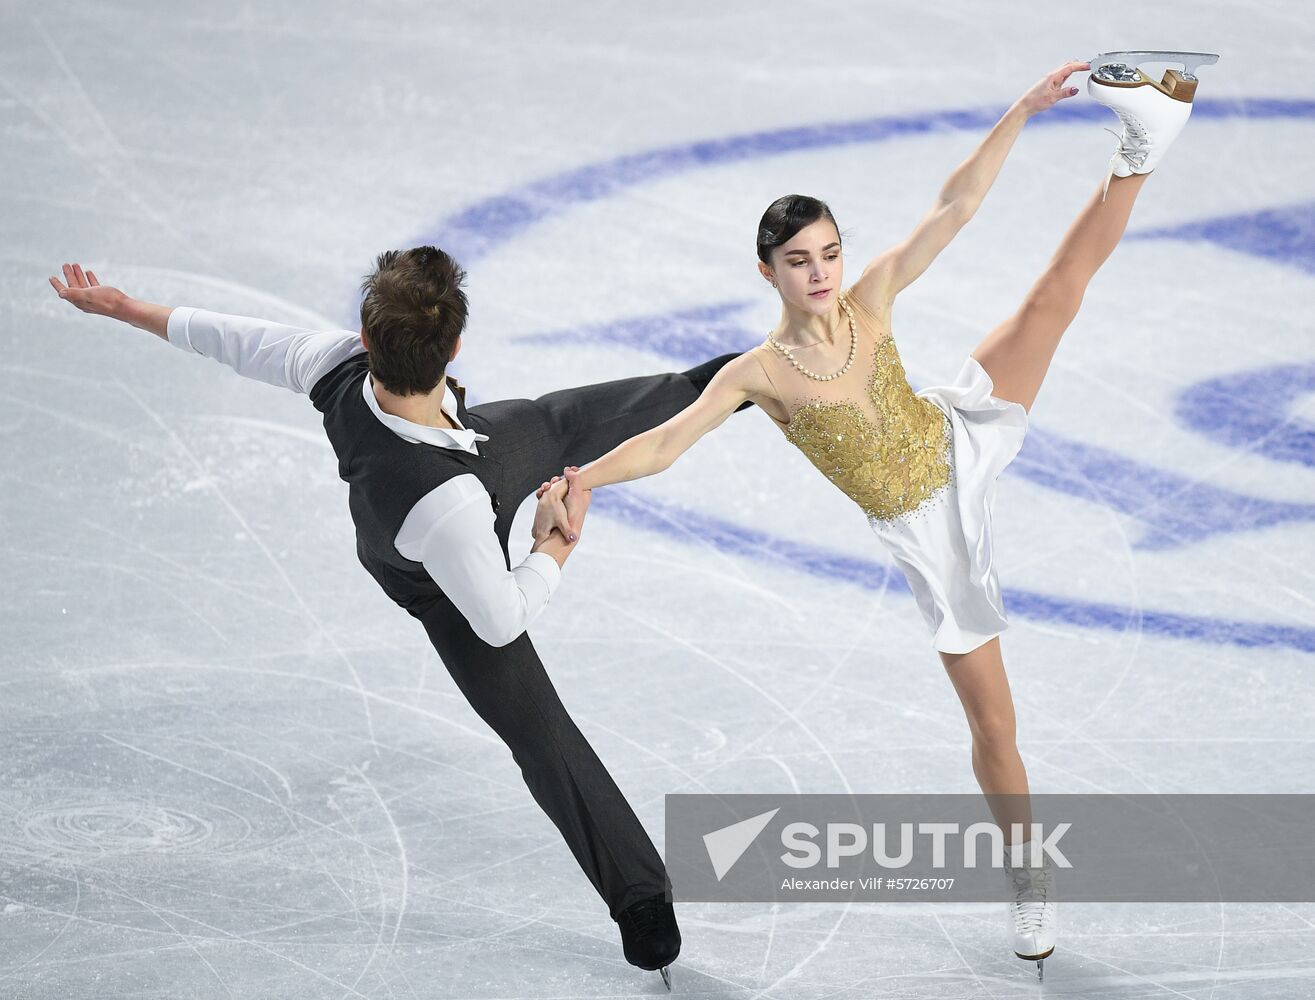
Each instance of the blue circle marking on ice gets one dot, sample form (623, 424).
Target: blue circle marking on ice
(1198, 510)
(1250, 410)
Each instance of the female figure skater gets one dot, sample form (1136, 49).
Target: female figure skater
(923, 465)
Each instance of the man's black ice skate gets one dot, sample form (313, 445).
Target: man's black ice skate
(650, 938)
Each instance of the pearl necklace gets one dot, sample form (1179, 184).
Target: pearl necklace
(853, 347)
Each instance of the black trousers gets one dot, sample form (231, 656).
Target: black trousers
(529, 442)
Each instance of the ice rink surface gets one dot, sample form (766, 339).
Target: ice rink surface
(232, 768)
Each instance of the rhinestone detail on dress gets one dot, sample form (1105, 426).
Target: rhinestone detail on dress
(889, 470)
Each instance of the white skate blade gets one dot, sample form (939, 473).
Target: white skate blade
(1189, 60)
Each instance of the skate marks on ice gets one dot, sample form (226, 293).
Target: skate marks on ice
(195, 802)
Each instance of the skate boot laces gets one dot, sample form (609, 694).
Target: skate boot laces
(1134, 146)
(1134, 143)
(1033, 888)
(644, 919)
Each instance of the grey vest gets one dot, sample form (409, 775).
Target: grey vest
(387, 476)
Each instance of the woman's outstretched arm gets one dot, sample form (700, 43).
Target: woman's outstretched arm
(656, 449)
(895, 269)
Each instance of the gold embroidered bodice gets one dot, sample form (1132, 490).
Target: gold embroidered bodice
(885, 447)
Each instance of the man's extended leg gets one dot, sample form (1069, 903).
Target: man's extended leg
(508, 687)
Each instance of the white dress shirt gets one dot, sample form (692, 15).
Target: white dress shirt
(450, 529)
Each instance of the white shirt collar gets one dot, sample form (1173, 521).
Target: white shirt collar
(463, 438)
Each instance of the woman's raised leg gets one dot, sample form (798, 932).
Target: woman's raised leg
(1017, 353)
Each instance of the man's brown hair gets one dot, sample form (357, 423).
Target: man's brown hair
(412, 311)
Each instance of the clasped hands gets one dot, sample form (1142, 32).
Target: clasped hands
(562, 506)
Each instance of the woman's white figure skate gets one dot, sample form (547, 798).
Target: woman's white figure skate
(1153, 113)
(1032, 911)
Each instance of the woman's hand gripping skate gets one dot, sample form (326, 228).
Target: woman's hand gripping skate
(1052, 88)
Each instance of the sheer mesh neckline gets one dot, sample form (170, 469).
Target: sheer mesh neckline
(808, 391)
(878, 441)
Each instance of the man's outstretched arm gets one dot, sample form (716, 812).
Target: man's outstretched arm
(286, 356)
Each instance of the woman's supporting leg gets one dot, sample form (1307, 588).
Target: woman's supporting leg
(1017, 353)
(979, 680)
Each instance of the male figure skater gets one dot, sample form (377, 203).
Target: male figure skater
(434, 487)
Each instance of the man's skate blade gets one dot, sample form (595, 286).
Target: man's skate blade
(666, 977)
(1189, 60)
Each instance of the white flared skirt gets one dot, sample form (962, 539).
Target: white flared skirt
(944, 547)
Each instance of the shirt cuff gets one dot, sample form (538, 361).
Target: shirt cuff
(176, 328)
(546, 567)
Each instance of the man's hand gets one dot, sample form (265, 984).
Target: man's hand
(551, 513)
(88, 294)
(547, 486)
(568, 503)
(1052, 88)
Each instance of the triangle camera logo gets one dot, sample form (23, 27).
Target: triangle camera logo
(727, 845)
